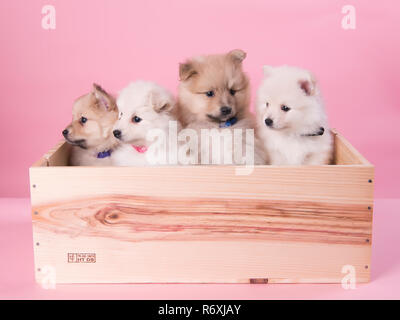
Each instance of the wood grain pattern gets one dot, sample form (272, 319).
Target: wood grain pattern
(59, 156)
(345, 153)
(203, 223)
(333, 184)
(130, 218)
(198, 261)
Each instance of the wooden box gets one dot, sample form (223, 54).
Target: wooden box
(203, 224)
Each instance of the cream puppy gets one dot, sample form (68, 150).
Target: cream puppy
(90, 131)
(291, 118)
(214, 94)
(145, 108)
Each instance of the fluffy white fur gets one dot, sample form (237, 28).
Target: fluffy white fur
(153, 105)
(287, 139)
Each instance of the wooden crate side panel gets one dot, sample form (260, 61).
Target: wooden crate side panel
(136, 239)
(56, 156)
(345, 153)
(59, 156)
(136, 219)
(340, 184)
(198, 261)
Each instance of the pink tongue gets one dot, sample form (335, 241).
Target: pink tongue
(140, 149)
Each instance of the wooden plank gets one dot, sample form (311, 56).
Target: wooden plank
(345, 153)
(133, 218)
(334, 184)
(42, 162)
(198, 261)
(59, 155)
(56, 156)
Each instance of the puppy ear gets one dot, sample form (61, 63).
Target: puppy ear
(267, 70)
(104, 100)
(161, 102)
(237, 55)
(308, 85)
(186, 70)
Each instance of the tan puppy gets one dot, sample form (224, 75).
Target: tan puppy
(90, 131)
(214, 93)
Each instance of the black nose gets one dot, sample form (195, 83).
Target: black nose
(226, 110)
(65, 132)
(117, 134)
(269, 122)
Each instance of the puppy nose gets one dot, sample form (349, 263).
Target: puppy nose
(65, 133)
(269, 122)
(226, 110)
(117, 133)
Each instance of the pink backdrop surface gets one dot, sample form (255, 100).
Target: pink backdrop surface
(115, 42)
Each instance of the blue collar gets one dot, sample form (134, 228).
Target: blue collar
(104, 154)
(228, 123)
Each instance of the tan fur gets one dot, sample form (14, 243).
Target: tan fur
(218, 73)
(94, 136)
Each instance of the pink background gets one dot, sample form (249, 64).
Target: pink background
(115, 42)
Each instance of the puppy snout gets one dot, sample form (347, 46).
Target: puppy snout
(269, 122)
(65, 133)
(117, 134)
(226, 110)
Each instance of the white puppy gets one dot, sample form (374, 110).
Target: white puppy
(145, 110)
(291, 118)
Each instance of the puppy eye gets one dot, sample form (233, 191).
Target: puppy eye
(285, 108)
(267, 104)
(83, 120)
(136, 119)
(210, 93)
(232, 92)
